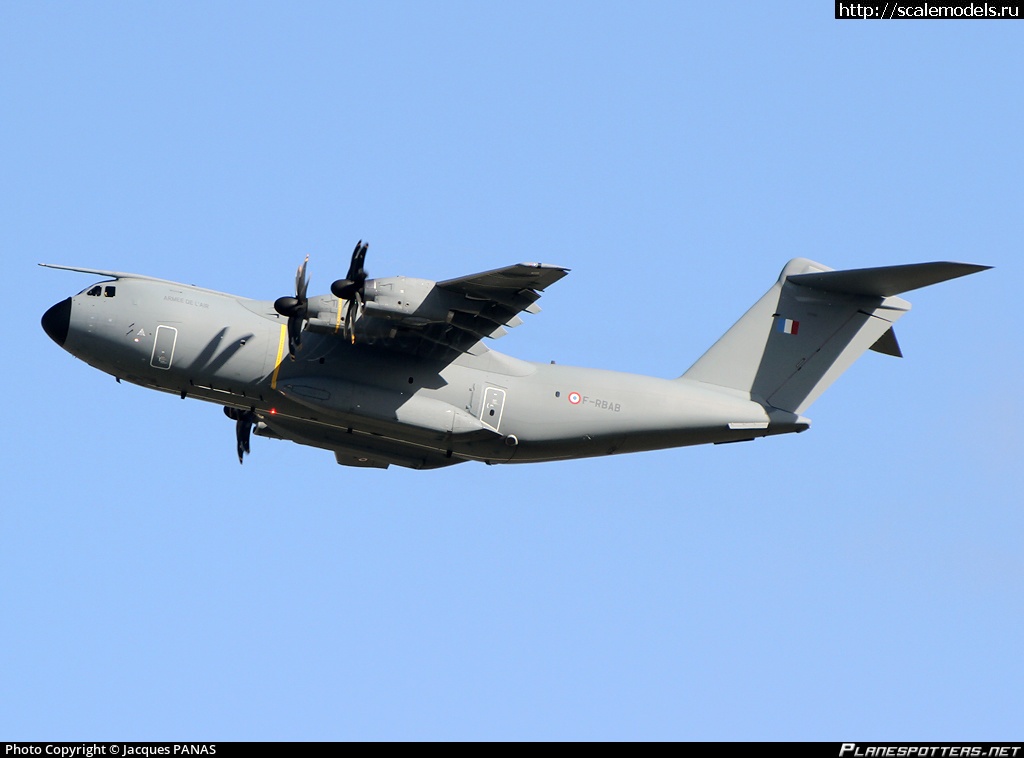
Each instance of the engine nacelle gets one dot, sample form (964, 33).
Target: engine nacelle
(412, 301)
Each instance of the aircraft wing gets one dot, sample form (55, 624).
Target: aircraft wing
(508, 281)
(468, 309)
(486, 303)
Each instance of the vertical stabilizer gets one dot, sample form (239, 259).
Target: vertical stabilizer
(811, 326)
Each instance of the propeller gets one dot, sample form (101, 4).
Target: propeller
(244, 421)
(294, 309)
(353, 288)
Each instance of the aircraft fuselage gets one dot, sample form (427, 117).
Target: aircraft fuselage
(422, 412)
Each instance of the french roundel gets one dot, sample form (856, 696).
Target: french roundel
(574, 398)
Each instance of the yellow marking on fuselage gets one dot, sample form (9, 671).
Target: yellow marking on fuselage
(280, 355)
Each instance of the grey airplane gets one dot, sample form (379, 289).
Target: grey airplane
(396, 370)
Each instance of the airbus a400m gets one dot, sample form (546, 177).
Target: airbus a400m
(396, 370)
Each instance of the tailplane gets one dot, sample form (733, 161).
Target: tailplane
(811, 326)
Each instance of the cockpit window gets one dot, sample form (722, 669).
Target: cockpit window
(99, 290)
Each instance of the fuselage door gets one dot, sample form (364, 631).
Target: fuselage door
(163, 347)
(494, 403)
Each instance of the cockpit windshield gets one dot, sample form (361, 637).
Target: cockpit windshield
(100, 290)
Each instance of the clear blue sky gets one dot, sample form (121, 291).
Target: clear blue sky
(863, 579)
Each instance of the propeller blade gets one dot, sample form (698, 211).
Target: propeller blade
(355, 282)
(295, 334)
(351, 307)
(355, 268)
(301, 280)
(295, 308)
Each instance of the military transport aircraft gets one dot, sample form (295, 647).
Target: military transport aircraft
(395, 370)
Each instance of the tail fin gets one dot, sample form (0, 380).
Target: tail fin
(811, 326)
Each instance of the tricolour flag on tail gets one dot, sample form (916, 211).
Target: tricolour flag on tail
(788, 326)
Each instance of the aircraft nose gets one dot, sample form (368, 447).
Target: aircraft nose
(57, 320)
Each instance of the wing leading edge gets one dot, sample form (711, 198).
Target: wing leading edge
(520, 276)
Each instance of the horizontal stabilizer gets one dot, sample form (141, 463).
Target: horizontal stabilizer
(886, 280)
